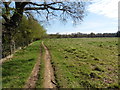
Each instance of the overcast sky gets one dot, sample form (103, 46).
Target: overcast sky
(102, 17)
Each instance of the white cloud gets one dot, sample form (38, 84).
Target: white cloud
(97, 27)
(107, 8)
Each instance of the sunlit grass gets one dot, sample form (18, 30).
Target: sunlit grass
(16, 71)
(40, 80)
(85, 62)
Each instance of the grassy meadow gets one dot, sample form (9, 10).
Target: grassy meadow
(16, 71)
(85, 62)
(77, 63)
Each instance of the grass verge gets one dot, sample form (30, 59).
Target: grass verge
(16, 71)
(40, 80)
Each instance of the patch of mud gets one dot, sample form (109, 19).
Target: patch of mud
(49, 79)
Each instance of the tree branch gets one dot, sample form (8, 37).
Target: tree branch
(34, 8)
(44, 8)
(5, 17)
(43, 4)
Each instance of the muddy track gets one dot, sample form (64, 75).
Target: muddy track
(49, 79)
(31, 82)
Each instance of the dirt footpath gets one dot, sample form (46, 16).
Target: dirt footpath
(31, 82)
(49, 79)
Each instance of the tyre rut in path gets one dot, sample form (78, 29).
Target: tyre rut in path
(49, 79)
(31, 82)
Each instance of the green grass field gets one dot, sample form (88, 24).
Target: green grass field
(16, 71)
(85, 62)
(77, 63)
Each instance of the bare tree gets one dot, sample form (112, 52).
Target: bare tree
(64, 10)
(12, 12)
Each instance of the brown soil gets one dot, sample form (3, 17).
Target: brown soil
(31, 82)
(49, 79)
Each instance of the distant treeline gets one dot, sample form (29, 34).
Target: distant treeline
(81, 35)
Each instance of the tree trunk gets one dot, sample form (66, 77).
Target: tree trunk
(15, 20)
(13, 23)
(14, 46)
